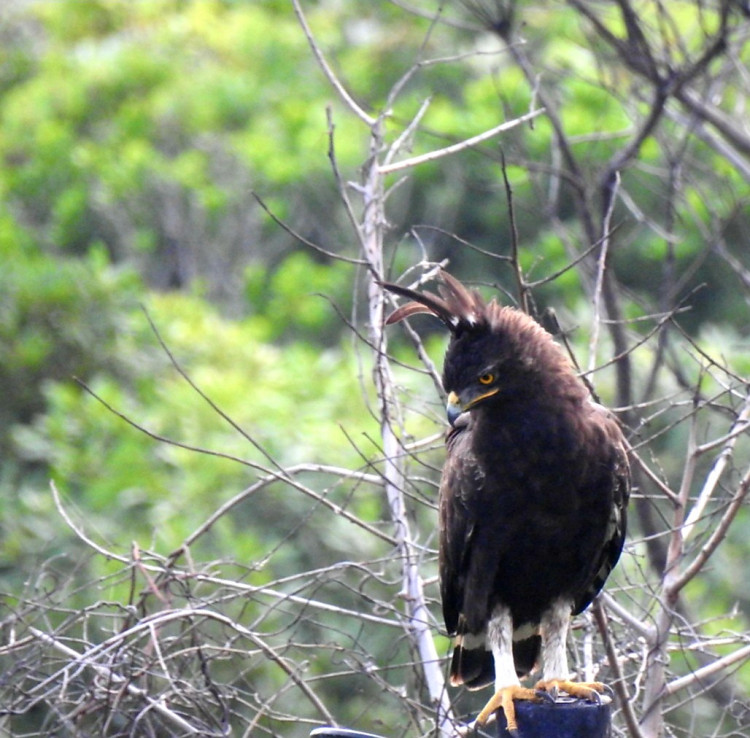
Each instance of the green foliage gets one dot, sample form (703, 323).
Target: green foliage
(135, 488)
(58, 318)
(301, 298)
(132, 135)
(140, 113)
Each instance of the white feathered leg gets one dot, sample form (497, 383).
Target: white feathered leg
(554, 630)
(507, 685)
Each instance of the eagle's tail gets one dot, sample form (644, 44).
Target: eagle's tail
(526, 654)
(475, 667)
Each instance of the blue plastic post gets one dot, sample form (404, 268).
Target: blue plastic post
(566, 718)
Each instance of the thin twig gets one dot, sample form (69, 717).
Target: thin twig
(720, 464)
(741, 654)
(104, 670)
(620, 687)
(281, 474)
(717, 535)
(458, 147)
(600, 271)
(301, 238)
(330, 76)
(521, 286)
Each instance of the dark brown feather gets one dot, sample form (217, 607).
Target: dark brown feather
(456, 306)
(406, 311)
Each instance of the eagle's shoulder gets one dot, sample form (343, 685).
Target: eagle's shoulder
(605, 428)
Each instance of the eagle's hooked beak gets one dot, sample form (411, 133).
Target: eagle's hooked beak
(453, 408)
(456, 406)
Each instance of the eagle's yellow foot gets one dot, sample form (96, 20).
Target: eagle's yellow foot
(503, 698)
(590, 691)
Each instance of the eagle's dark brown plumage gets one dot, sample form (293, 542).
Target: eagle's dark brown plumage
(532, 498)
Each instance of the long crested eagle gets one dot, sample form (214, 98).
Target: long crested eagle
(533, 497)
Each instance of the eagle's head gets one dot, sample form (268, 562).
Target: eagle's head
(495, 354)
(479, 367)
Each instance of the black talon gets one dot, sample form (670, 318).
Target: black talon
(544, 694)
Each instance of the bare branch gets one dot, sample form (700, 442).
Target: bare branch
(600, 271)
(631, 720)
(116, 679)
(315, 247)
(705, 672)
(458, 147)
(716, 537)
(347, 99)
(729, 441)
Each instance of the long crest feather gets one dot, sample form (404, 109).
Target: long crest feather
(456, 306)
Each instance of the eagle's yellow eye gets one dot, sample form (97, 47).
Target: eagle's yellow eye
(487, 378)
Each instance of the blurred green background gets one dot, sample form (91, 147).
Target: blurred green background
(133, 138)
